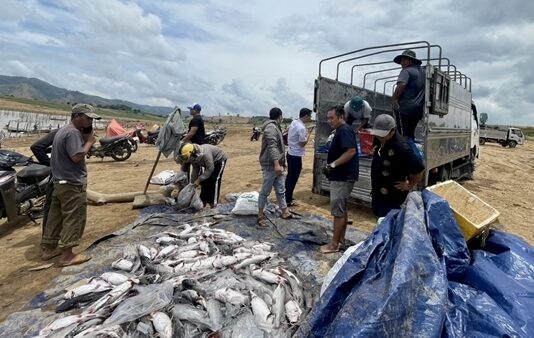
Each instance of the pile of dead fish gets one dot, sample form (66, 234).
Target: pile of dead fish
(197, 281)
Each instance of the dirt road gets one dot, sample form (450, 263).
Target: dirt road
(503, 179)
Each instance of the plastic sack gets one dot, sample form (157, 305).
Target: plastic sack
(164, 177)
(180, 178)
(184, 197)
(151, 298)
(196, 202)
(246, 204)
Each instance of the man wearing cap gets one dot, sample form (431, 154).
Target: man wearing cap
(409, 96)
(196, 132)
(396, 167)
(297, 138)
(342, 169)
(273, 165)
(357, 111)
(68, 210)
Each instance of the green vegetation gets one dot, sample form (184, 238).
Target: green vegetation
(528, 131)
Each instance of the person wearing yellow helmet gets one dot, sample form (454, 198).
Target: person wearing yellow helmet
(207, 164)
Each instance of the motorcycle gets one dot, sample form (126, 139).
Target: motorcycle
(118, 147)
(215, 137)
(143, 136)
(256, 132)
(22, 193)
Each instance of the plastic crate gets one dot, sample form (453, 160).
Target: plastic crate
(366, 142)
(472, 214)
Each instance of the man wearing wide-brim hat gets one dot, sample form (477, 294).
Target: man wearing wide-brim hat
(409, 96)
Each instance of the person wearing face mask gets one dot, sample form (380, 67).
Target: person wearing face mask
(396, 167)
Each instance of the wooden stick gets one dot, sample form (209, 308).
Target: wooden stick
(152, 172)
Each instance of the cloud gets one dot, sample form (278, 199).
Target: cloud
(245, 57)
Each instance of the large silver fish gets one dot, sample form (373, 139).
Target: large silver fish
(162, 324)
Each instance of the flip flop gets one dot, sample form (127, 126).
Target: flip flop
(45, 256)
(293, 204)
(78, 259)
(289, 216)
(262, 223)
(325, 250)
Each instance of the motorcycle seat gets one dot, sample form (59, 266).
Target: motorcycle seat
(107, 140)
(38, 171)
(153, 132)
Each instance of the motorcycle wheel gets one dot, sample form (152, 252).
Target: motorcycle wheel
(133, 145)
(121, 153)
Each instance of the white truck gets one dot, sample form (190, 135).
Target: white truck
(505, 136)
(448, 134)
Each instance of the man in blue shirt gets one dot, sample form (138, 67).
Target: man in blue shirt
(342, 170)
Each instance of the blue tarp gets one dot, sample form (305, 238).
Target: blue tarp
(415, 277)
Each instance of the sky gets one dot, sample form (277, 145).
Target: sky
(244, 57)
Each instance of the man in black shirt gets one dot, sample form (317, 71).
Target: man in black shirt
(342, 170)
(196, 131)
(396, 168)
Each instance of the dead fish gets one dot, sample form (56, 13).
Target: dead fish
(123, 264)
(144, 252)
(111, 296)
(219, 216)
(252, 260)
(222, 261)
(94, 286)
(165, 252)
(293, 311)
(227, 295)
(295, 284)
(279, 296)
(267, 276)
(162, 324)
(63, 322)
(113, 331)
(78, 301)
(191, 314)
(261, 312)
(214, 311)
(164, 240)
(114, 278)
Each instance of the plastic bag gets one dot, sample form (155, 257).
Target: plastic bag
(180, 178)
(246, 204)
(151, 298)
(196, 202)
(185, 196)
(164, 177)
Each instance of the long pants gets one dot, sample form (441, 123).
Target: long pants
(270, 180)
(408, 116)
(67, 216)
(294, 167)
(381, 207)
(211, 187)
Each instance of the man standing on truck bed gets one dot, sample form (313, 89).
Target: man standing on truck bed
(342, 170)
(395, 169)
(409, 96)
(196, 132)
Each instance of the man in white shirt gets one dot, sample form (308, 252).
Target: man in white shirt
(297, 138)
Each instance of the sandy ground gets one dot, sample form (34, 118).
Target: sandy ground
(503, 179)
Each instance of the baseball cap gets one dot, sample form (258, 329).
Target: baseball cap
(86, 109)
(383, 124)
(195, 106)
(356, 103)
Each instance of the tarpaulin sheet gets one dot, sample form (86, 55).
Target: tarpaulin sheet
(415, 277)
(114, 129)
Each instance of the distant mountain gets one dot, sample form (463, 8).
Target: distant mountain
(32, 88)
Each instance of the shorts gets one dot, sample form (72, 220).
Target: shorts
(339, 196)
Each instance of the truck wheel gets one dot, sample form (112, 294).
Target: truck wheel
(444, 174)
(512, 144)
(504, 144)
(482, 141)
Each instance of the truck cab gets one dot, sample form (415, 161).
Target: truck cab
(505, 136)
(447, 135)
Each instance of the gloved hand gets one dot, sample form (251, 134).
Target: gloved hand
(327, 170)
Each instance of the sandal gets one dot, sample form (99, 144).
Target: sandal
(262, 222)
(288, 216)
(77, 259)
(49, 254)
(326, 249)
(293, 204)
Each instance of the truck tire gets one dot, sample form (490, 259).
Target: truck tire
(481, 141)
(512, 144)
(503, 144)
